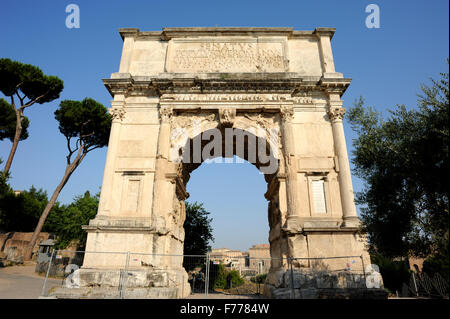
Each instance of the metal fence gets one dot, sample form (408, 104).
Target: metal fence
(423, 285)
(198, 276)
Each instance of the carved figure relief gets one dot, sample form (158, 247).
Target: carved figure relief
(227, 116)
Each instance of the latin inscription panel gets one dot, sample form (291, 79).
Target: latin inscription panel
(245, 55)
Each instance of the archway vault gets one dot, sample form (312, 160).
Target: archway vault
(276, 86)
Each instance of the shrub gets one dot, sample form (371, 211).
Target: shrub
(259, 279)
(234, 278)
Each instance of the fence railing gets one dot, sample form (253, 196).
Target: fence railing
(124, 274)
(423, 285)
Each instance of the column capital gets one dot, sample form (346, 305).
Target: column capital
(336, 113)
(166, 113)
(117, 113)
(287, 113)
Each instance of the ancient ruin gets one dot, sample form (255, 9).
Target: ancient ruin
(185, 95)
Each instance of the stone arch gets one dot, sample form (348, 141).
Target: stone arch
(262, 129)
(206, 130)
(257, 80)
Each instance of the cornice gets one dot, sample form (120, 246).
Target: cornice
(170, 33)
(334, 85)
(282, 83)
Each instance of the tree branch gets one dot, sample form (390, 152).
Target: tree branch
(87, 135)
(12, 103)
(91, 149)
(70, 150)
(20, 98)
(31, 102)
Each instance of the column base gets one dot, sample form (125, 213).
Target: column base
(313, 284)
(113, 293)
(293, 225)
(136, 283)
(351, 222)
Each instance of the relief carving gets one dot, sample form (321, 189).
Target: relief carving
(303, 100)
(287, 113)
(264, 121)
(166, 113)
(228, 97)
(117, 113)
(187, 120)
(227, 116)
(336, 113)
(268, 123)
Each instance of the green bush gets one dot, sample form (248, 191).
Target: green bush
(235, 279)
(438, 263)
(259, 279)
(219, 277)
(394, 273)
(220, 281)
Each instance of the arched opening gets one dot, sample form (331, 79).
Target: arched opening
(233, 193)
(220, 146)
(227, 142)
(223, 149)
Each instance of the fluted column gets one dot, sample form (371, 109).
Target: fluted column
(292, 191)
(117, 113)
(336, 114)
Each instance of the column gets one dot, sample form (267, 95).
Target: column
(164, 132)
(163, 189)
(292, 192)
(117, 113)
(336, 114)
(161, 183)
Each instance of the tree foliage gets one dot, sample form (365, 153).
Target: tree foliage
(198, 230)
(66, 222)
(222, 278)
(234, 279)
(8, 121)
(403, 161)
(394, 272)
(87, 122)
(25, 85)
(27, 81)
(21, 212)
(259, 279)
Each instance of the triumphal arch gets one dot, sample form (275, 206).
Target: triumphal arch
(183, 96)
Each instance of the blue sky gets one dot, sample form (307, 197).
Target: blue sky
(387, 66)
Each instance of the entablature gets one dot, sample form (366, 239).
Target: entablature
(232, 84)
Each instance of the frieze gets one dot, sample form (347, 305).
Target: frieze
(185, 120)
(231, 97)
(303, 100)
